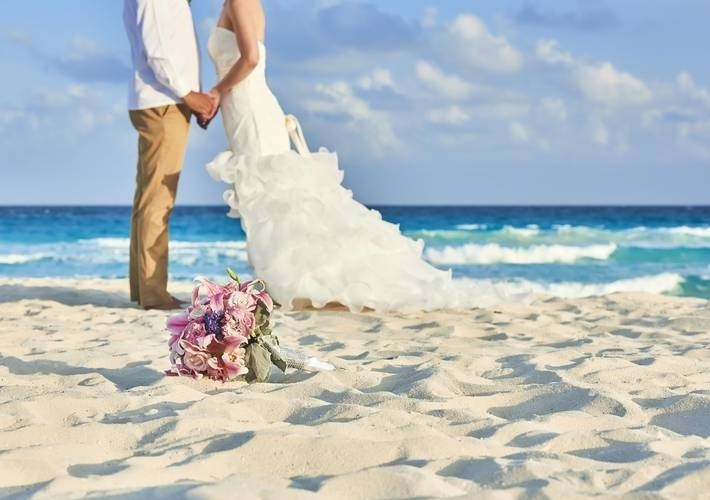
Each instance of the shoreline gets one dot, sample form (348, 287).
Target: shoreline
(604, 395)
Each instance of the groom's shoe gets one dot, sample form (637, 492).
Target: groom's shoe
(174, 304)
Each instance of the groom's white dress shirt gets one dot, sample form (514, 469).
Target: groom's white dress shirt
(166, 60)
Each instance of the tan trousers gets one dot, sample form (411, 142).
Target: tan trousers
(162, 138)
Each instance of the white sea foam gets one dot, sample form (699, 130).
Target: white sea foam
(439, 234)
(536, 254)
(115, 251)
(529, 231)
(125, 242)
(701, 232)
(665, 238)
(639, 233)
(104, 242)
(659, 283)
(15, 258)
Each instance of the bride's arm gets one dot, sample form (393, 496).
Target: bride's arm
(242, 14)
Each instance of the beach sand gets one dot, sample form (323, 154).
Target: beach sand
(559, 399)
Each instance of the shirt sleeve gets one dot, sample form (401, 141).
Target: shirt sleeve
(157, 30)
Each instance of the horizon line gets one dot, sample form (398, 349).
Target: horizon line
(385, 205)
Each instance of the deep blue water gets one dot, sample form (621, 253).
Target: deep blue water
(566, 251)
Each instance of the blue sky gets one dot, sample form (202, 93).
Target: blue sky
(446, 102)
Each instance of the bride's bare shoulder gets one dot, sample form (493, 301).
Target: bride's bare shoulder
(242, 4)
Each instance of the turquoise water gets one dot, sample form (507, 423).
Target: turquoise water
(563, 251)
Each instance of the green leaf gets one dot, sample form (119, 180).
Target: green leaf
(258, 360)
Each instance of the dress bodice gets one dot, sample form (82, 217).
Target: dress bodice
(224, 51)
(253, 119)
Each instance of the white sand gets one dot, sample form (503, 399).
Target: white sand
(560, 398)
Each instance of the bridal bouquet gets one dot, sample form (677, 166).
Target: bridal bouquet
(226, 333)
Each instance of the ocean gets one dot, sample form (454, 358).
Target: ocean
(562, 251)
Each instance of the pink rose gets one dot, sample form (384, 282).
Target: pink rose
(241, 302)
(195, 358)
(246, 323)
(194, 332)
(196, 361)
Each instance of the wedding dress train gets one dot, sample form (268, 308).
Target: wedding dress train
(306, 235)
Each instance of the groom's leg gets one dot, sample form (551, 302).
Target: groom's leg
(162, 139)
(133, 276)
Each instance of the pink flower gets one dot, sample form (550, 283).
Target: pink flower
(196, 361)
(176, 352)
(247, 322)
(215, 294)
(241, 302)
(226, 346)
(174, 339)
(198, 312)
(214, 370)
(238, 356)
(181, 370)
(257, 289)
(194, 332)
(241, 312)
(226, 367)
(195, 358)
(233, 370)
(241, 324)
(176, 324)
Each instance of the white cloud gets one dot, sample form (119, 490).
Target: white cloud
(65, 114)
(452, 115)
(502, 108)
(549, 52)
(475, 46)
(554, 108)
(461, 68)
(689, 88)
(600, 133)
(429, 17)
(696, 136)
(379, 79)
(598, 82)
(519, 133)
(605, 84)
(449, 85)
(372, 126)
(9, 117)
(73, 94)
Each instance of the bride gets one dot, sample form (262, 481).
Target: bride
(306, 236)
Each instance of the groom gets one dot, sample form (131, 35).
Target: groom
(164, 94)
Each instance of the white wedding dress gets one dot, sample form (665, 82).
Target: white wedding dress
(306, 236)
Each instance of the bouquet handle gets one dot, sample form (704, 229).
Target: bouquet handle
(285, 358)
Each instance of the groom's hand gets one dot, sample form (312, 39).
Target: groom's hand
(204, 122)
(203, 105)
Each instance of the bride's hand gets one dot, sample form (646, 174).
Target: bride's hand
(215, 99)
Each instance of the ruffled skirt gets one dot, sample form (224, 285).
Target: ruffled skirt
(310, 240)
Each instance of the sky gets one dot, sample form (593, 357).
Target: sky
(448, 102)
